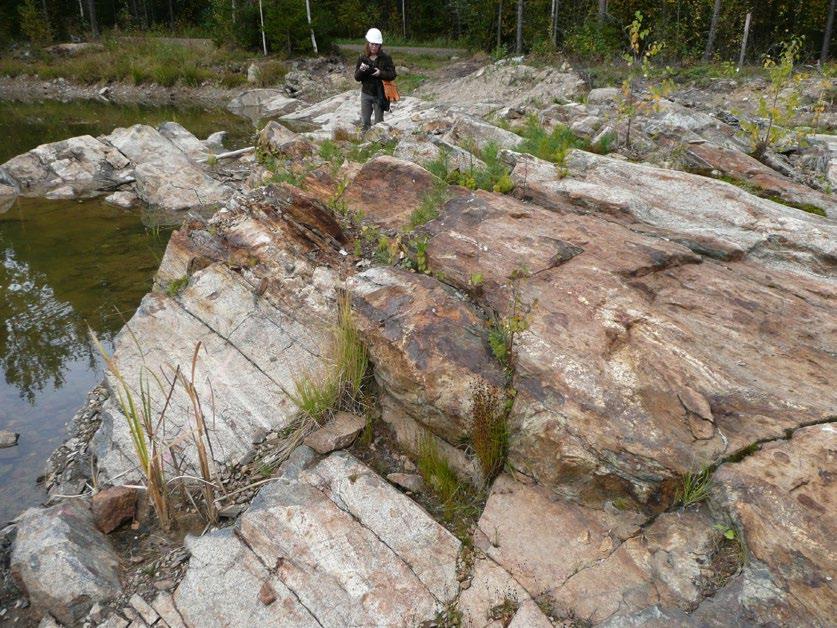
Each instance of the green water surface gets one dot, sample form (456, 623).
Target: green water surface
(65, 265)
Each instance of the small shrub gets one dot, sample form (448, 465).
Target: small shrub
(489, 429)
(34, 24)
(780, 104)
(342, 135)
(504, 612)
(552, 146)
(694, 488)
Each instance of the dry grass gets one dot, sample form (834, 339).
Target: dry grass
(489, 429)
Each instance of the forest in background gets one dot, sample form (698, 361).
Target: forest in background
(594, 29)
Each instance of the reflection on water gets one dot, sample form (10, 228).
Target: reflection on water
(64, 265)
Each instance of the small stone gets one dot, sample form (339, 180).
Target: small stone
(113, 506)
(338, 433)
(164, 605)
(164, 585)
(148, 614)
(8, 439)
(47, 622)
(267, 594)
(409, 481)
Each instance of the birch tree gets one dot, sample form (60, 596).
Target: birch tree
(829, 27)
(518, 45)
(713, 29)
(310, 26)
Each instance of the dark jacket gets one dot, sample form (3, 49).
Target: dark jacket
(372, 85)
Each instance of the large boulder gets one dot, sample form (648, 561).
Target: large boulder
(62, 562)
(175, 187)
(627, 376)
(78, 167)
(184, 140)
(470, 132)
(166, 176)
(711, 217)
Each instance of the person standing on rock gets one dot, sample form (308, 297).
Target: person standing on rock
(373, 67)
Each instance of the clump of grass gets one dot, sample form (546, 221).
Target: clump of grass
(494, 176)
(176, 286)
(437, 471)
(489, 429)
(271, 73)
(342, 135)
(428, 209)
(504, 612)
(317, 396)
(551, 146)
(694, 488)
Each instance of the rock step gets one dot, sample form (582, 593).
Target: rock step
(333, 544)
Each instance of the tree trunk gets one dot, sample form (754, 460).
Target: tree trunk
(602, 11)
(404, 19)
(171, 14)
(829, 26)
(233, 11)
(499, 23)
(261, 22)
(91, 14)
(744, 40)
(81, 11)
(310, 27)
(518, 45)
(713, 29)
(552, 35)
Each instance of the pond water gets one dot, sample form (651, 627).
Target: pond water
(64, 266)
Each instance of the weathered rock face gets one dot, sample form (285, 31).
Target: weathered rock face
(507, 85)
(710, 217)
(469, 131)
(335, 544)
(183, 140)
(283, 142)
(165, 175)
(429, 348)
(62, 562)
(704, 157)
(387, 190)
(176, 187)
(256, 299)
(782, 497)
(78, 167)
(627, 376)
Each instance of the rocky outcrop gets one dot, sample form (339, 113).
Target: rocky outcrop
(257, 300)
(62, 562)
(387, 190)
(626, 375)
(711, 217)
(258, 104)
(430, 349)
(78, 167)
(331, 545)
(735, 164)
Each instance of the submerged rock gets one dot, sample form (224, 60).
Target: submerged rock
(8, 439)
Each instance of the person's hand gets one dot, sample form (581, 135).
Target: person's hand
(376, 72)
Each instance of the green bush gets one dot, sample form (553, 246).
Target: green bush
(590, 40)
(551, 146)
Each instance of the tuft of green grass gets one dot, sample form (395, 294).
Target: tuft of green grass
(694, 488)
(437, 472)
(176, 286)
(551, 146)
(318, 395)
(429, 207)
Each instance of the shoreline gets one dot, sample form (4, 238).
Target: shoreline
(27, 89)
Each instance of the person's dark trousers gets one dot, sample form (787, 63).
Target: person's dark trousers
(368, 104)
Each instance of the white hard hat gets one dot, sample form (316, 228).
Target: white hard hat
(373, 36)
